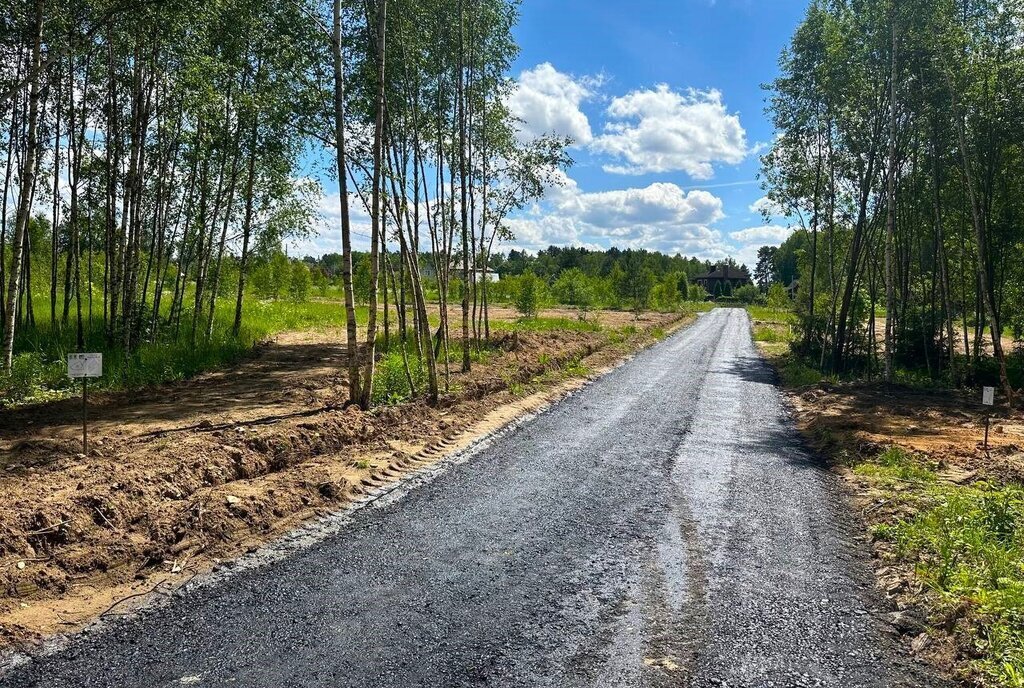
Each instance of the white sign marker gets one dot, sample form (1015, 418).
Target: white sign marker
(988, 396)
(85, 365)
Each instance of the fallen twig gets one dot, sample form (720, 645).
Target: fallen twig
(105, 519)
(47, 529)
(131, 597)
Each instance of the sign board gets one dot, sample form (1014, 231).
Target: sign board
(988, 396)
(85, 365)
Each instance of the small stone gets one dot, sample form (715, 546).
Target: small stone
(905, 622)
(21, 566)
(204, 424)
(232, 499)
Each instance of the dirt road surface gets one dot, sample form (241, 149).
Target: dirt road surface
(661, 527)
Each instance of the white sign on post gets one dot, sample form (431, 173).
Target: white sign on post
(988, 396)
(85, 365)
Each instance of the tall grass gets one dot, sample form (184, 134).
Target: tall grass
(968, 543)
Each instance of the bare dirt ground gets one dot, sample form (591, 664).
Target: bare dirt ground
(184, 476)
(944, 426)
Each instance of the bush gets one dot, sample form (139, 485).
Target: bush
(529, 295)
(748, 294)
(390, 382)
(695, 292)
(32, 378)
(778, 297)
(573, 288)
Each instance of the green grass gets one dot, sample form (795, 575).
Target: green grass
(38, 373)
(967, 544)
(783, 316)
(895, 465)
(542, 324)
(773, 334)
(390, 380)
(795, 373)
(698, 306)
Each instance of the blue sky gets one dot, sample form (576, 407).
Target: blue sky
(677, 81)
(665, 104)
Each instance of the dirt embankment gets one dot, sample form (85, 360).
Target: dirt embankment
(182, 477)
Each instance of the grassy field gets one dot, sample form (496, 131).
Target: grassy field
(39, 370)
(966, 544)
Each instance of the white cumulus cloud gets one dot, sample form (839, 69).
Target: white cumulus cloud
(661, 130)
(766, 207)
(547, 101)
(660, 216)
(768, 234)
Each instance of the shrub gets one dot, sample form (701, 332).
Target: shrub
(300, 282)
(528, 297)
(573, 288)
(778, 297)
(748, 294)
(390, 382)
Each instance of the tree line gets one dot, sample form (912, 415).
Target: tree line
(167, 147)
(900, 156)
(585, 278)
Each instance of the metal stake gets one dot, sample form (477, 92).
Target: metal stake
(987, 420)
(85, 427)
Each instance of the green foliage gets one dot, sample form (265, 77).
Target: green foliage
(955, 74)
(795, 373)
(968, 543)
(391, 382)
(530, 295)
(778, 297)
(666, 295)
(33, 378)
(780, 316)
(895, 464)
(695, 293)
(633, 283)
(546, 325)
(574, 288)
(271, 279)
(300, 281)
(771, 333)
(39, 370)
(747, 294)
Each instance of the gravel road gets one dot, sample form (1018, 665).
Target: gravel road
(661, 527)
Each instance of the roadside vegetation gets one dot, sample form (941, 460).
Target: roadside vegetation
(894, 120)
(149, 198)
(906, 271)
(947, 521)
